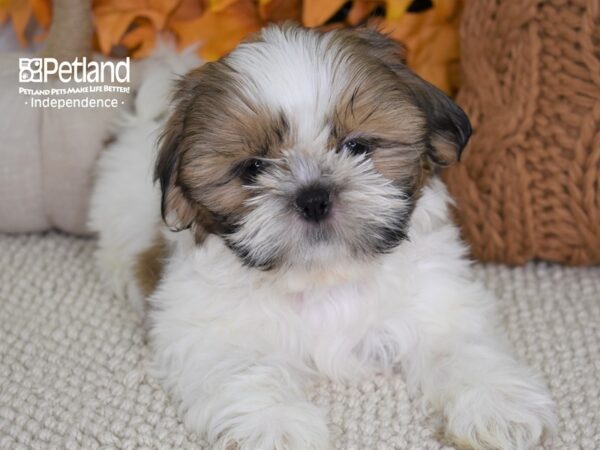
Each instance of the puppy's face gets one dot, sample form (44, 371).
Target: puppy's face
(301, 149)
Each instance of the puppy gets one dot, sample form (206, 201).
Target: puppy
(305, 235)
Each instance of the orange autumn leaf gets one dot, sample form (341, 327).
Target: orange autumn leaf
(219, 32)
(395, 9)
(4, 10)
(361, 9)
(161, 7)
(113, 18)
(42, 11)
(280, 10)
(187, 10)
(141, 39)
(110, 28)
(317, 12)
(432, 41)
(19, 11)
(220, 5)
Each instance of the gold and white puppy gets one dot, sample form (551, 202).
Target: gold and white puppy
(306, 235)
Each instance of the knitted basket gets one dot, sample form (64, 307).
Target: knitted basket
(528, 186)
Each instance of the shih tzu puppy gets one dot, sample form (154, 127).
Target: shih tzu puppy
(297, 230)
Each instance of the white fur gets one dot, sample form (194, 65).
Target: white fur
(124, 195)
(237, 346)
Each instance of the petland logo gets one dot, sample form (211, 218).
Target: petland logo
(48, 83)
(80, 70)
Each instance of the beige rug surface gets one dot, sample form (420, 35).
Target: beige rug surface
(73, 360)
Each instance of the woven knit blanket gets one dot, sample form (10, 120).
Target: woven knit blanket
(73, 360)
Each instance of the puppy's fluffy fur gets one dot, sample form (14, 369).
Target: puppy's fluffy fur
(306, 236)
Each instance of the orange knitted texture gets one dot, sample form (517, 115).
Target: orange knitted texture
(528, 186)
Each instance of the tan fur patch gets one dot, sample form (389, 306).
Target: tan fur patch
(445, 123)
(377, 107)
(207, 137)
(149, 266)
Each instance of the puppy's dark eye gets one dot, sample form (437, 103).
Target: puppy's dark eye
(251, 169)
(356, 147)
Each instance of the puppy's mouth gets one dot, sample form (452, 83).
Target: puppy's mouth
(314, 235)
(315, 244)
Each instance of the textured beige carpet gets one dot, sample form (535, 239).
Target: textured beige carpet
(72, 359)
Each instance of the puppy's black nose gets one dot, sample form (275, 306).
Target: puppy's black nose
(313, 203)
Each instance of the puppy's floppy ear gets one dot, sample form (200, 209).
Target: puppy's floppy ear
(449, 128)
(178, 212)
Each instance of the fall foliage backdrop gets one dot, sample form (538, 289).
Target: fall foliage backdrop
(428, 29)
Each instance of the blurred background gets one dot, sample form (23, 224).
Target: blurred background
(526, 72)
(131, 27)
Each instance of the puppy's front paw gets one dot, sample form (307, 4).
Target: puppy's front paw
(299, 426)
(508, 417)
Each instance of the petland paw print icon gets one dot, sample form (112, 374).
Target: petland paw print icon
(30, 70)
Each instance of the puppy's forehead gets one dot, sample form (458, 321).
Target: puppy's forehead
(290, 70)
(314, 78)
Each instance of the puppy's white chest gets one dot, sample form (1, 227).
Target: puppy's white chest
(344, 329)
(337, 307)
